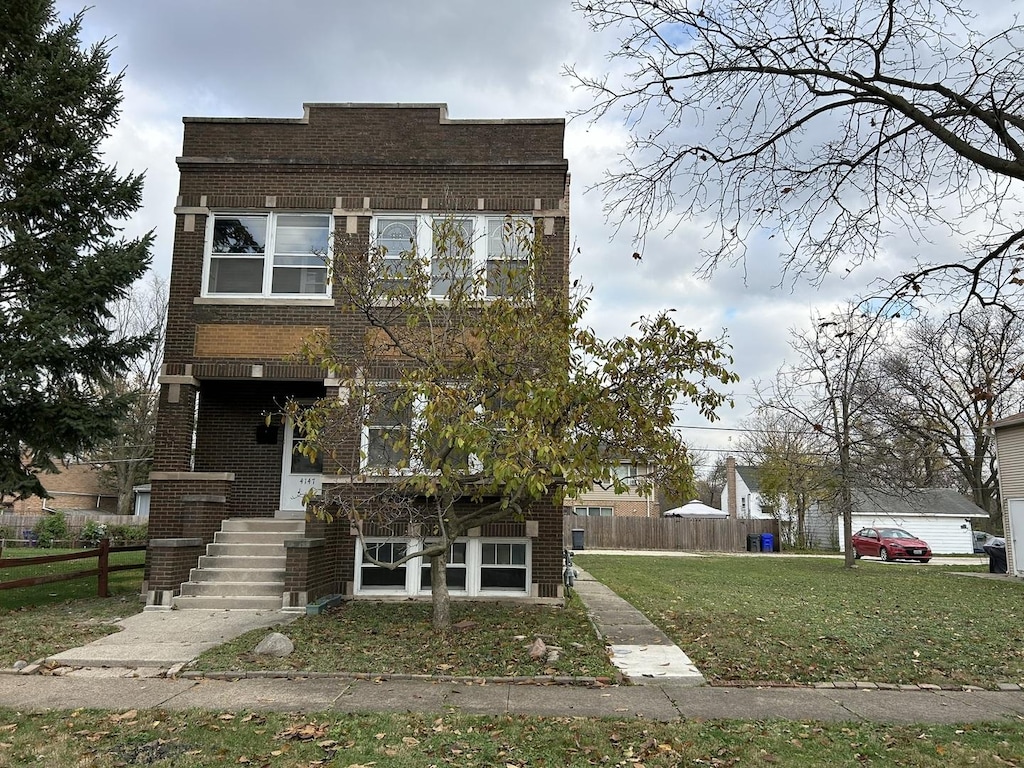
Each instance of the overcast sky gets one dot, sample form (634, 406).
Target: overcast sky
(484, 59)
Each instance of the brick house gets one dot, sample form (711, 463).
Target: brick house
(605, 502)
(256, 197)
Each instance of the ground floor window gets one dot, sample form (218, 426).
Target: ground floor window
(593, 511)
(478, 566)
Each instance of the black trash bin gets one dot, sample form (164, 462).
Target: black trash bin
(753, 542)
(995, 548)
(577, 538)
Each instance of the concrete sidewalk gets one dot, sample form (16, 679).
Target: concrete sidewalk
(129, 670)
(660, 700)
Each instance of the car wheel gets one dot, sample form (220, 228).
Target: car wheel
(884, 554)
(925, 559)
(857, 555)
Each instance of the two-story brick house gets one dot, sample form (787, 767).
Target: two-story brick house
(260, 202)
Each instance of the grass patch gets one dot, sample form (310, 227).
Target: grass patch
(487, 639)
(193, 739)
(810, 620)
(43, 620)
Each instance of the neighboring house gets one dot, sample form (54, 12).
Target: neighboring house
(942, 517)
(1009, 439)
(75, 487)
(258, 200)
(605, 502)
(741, 497)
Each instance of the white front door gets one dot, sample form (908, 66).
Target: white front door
(1016, 535)
(298, 474)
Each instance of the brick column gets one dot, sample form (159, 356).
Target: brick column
(730, 485)
(172, 451)
(169, 564)
(307, 575)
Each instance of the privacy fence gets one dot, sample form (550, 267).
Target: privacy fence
(669, 533)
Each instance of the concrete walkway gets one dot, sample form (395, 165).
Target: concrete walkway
(640, 650)
(154, 640)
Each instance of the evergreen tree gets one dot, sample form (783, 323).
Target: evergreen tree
(63, 259)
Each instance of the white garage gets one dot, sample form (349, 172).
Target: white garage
(941, 516)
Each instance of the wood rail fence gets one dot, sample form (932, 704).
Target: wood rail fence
(102, 570)
(668, 533)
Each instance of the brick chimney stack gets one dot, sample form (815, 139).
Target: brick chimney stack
(730, 485)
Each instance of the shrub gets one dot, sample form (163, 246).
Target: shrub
(53, 527)
(92, 532)
(129, 534)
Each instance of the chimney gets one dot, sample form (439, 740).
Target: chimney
(730, 485)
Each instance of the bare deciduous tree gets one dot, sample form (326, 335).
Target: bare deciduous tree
(832, 124)
(950, 380)
(125, 459)
(832, 390)
(793, 472)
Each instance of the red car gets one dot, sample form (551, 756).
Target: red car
(890, 544)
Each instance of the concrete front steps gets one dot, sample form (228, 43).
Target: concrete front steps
(243, 568)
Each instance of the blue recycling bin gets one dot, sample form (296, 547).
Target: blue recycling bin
(767, 542)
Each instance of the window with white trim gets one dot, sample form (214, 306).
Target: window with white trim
(267, 254)
(387, 434)
(593, 511)
(626, 471)
(373, 577)
(458, 247)
(456, 570)
(502, 566)
(475, 567)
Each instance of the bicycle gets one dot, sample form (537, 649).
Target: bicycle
(568, 572)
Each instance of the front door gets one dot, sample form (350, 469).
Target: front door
(298, 474)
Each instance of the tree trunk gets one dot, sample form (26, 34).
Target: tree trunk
(440, 598)
(846, 502)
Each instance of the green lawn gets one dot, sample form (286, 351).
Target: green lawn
(487, 639)
(198, 739)
(43, 620)
(810, 619)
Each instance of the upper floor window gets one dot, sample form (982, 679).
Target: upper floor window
(627, 472)
(484, 255)
(271, 254)
(386, 434)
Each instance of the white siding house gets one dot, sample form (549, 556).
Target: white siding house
(941, 516)
(1009, 439)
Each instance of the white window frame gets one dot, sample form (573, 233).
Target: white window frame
(526, 566)
(586, 511)
(364, 461)
(412, 573)
(480, 257)
(268, 256)
(473, 565)
(414, 466)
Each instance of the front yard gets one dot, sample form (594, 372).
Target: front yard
(788, 619)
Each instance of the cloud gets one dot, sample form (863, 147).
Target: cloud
(485, 60)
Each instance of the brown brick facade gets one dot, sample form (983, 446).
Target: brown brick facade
(228, 362)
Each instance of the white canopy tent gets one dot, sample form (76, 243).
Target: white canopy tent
(695, 509)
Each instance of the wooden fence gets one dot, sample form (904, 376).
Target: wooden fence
(669, 533)
(102, 570)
